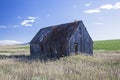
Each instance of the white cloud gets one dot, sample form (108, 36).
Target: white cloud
(107, 6)
(33, 18)
(87, 4)
(99, 23)
(28, 22)
(117, 5)
(9, 42)
(111, 6)
(100, 18)
(9, 26)
(92, 11)
(14, 26)
(1, 26)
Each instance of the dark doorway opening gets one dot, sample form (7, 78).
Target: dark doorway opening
(51, 53)
(42, 48)
(76, 48)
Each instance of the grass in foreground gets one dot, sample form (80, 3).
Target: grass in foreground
(79, 67)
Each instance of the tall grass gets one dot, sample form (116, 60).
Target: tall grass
(79, 67)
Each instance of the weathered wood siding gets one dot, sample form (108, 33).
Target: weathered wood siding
(47, 43)
(35, 50)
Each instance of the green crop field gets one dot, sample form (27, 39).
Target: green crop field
(107, 45)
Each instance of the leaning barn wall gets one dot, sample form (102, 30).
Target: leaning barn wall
(87, 43)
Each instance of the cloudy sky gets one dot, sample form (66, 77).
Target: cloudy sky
(20, 20)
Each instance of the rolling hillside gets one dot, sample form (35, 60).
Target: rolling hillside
(107, 45)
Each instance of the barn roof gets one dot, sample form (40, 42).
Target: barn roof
(58, 33)
(41, 34)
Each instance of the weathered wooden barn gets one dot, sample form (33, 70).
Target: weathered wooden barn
(61, 40)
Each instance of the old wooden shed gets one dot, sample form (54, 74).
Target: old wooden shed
(61, 40)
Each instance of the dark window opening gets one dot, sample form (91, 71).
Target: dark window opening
(76, 48)
(81, 46)
(51, 52)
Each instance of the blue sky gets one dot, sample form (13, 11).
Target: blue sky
(20, 20)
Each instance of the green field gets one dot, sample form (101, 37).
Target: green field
(107, 45)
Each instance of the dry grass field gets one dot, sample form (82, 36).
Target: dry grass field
(15, 50)
(103, 65)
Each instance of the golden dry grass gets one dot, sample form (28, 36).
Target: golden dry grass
(102, 66)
